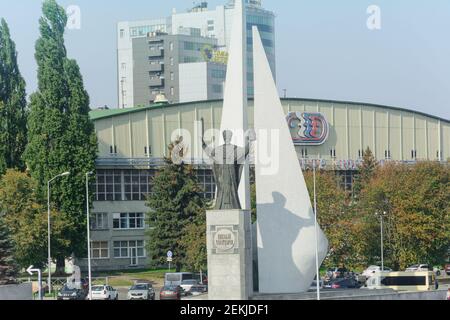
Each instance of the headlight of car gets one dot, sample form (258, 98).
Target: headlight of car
(74, 294)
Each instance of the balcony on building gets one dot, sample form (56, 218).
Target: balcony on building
(156, 52)
(156, 82)
(156, 67)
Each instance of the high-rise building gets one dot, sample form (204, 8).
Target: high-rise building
(157, 59)
(200, 22)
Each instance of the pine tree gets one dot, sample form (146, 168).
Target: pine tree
(13, 111)
(176, 203)
(61, 135)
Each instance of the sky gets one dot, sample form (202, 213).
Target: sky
(324, 48)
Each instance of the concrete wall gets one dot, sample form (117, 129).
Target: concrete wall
(16, 292)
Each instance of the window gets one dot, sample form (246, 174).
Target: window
(99, 221)
(128, 221)
(122, 33)
(172, 91)
(100, 250)
(171, 46)
(137, 184)
(171, 61)
(109, 185)
(218, 74)
(172, 76)
(124, 66)
(122, 249)
(217, 88)
(205, 179)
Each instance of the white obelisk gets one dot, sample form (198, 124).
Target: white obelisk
(234, 114)
(286, 222)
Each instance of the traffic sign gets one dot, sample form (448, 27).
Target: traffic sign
(30, 271)
(169, 254)
(169, 259)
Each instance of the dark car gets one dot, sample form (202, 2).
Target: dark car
(346, 283)
(447, 269)
(171, 293)
(68, 293)
(198, 290)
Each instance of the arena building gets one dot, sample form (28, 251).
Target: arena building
(133, 143)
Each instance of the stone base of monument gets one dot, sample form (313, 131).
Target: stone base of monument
(229, 238)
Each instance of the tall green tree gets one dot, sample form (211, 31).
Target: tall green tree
(176, 211)
(26, 220)
(61, 136)
(13, 113)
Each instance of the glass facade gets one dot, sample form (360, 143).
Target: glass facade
(136, 185)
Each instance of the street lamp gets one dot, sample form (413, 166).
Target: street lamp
(88, 234)
(381, 215)
(48, 218)
(316, 231)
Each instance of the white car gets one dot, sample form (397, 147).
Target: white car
(418, 268)
(104, 292)
(373, 269)
(188, 284)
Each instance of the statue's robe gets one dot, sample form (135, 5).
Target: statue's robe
(228, 165)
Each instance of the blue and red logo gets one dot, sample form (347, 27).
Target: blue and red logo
(308, 128)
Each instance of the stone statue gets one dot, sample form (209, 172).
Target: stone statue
(228, 164)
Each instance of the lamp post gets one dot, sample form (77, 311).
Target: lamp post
(381, 215)
(88, 234)
(49, 261)
(316, 231)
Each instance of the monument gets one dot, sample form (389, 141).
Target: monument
(286, 232)
(229, 236)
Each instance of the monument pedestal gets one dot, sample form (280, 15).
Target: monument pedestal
(230, 265)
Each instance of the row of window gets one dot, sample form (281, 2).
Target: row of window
(121, 221)
(121, 249)
(136, 185)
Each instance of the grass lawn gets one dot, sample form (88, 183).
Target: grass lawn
(127, 278)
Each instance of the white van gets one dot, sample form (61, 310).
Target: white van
(177, 278)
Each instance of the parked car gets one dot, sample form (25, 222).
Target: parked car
(447, 269)
(343, 283)
(188, 284)
(141, 291)
(314, 284)
(104, 292)
(198, 290)
(373, 269)
(171, 293)
(437, 270)
(418, 268)
(335, 273)
(70, 293)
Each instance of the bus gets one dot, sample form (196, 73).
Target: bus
(403, 281)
